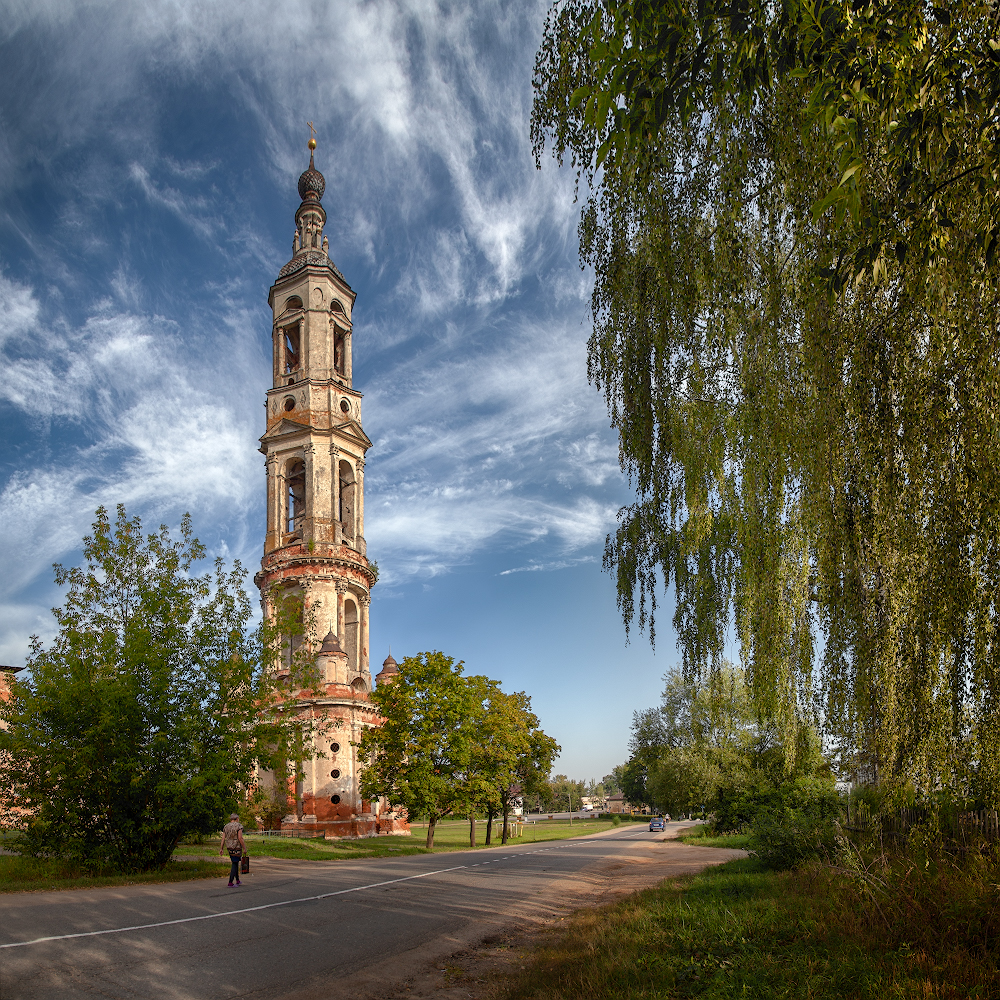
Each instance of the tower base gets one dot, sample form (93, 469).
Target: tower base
(356, 828)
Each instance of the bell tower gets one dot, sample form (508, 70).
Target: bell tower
(314, 548)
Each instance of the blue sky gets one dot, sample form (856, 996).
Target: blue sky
(148, 160)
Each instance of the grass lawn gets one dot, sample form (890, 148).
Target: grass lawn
(24, 874)
(739, 931)
(450, 835)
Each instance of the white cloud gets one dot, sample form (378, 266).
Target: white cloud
(18, 310)
(400, 93)
(492, 447)
(486, 431)
(160, 437)
(193, 212)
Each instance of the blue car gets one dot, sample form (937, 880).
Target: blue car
(657, 823)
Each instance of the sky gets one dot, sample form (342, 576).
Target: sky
(149, 155)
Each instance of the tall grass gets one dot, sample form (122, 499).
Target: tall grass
(882, 929)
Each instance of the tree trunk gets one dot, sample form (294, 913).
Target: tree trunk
(489, 828)
(431, 823)
(472, 832)
(506, 808)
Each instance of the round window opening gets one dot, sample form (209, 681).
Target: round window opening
(335, 747)
(289, 403)
(335, 799)
(335, 773)
(345, 406)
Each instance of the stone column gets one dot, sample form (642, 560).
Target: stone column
(309, 522)
(359, 502)
(273, 528)
(338, 535)
(347, 355)
(363, 601)
(341, 632)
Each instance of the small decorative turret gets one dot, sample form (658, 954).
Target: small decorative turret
(389, 671)
(331, 644)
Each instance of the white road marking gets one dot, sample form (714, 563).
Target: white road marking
(224, 913)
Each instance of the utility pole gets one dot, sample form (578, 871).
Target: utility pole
(569, 792)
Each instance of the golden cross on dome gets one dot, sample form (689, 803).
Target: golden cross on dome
(312, 135)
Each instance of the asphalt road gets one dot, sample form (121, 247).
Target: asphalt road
(292, 929)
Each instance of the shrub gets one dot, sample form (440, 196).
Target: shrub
(786, 840)
(797, 823)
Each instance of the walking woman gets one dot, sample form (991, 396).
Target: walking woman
(232, 841)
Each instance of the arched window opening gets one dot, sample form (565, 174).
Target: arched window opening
(293, 619)
(295, 476)
(294, 302)
(336, 307)
(360, 687)
(351, 633)
(291, 342)
(347, 502)
(339, 351)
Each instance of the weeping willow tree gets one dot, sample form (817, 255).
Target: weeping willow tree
(814, 458)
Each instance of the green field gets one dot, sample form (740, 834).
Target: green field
(450, 835)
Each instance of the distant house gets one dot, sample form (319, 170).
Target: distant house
(617, 803)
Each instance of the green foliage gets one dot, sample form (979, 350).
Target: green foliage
(613, 782)
(905, 97)
(512, 756)
(702, 749)
(452, 743)
(564, 791)
(810, 465)
(147, 715)
(786, 840)
(27, 874)
(421, 756)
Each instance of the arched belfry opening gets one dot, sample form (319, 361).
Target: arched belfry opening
(292, 344)
(351, 633)
(315, 447)
(295, 499)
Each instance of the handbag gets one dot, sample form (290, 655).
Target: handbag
(245, 864)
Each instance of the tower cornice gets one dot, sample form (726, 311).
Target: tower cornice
(313, 262)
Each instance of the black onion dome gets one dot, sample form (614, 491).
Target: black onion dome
(312, 183)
